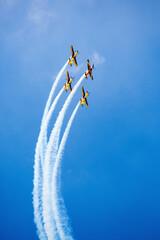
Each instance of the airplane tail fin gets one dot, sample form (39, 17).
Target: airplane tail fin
(81, 102)
(69, 62)
(65, 87)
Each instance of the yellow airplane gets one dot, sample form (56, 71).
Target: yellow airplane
(89, 71)
(68, 84)
(84, 99)
(73, 57)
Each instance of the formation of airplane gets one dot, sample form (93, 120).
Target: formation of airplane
(89, 71)
(67, 85)
(73, 57)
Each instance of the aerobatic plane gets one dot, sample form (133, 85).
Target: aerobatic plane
(84, 99)
(68, 84)
(89, 71)
(73, 57)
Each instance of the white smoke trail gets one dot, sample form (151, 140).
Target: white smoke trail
(44, 128)
(58, 207)
(50, 157)
(53, 90)
(37, 203)
(44, 141)
(38, 175)
(39, 156)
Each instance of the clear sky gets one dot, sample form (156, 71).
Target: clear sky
(111, 164)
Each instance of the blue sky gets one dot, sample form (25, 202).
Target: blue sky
(110, 171)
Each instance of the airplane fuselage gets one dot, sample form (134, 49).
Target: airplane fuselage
(71, 59)
(88, 71)
(82, 100)
(68, 85)
(86, 95)
(75, 54)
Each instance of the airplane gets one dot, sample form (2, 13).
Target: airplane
(73, 57)
(68, 84)
(84, 99)
(89, 71)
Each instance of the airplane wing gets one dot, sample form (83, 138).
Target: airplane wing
(91, 75)
(75, 61)
(70, 88)
(88, 65)
(67, 77)
(86, 102)
(72, 51)
(83, 93)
